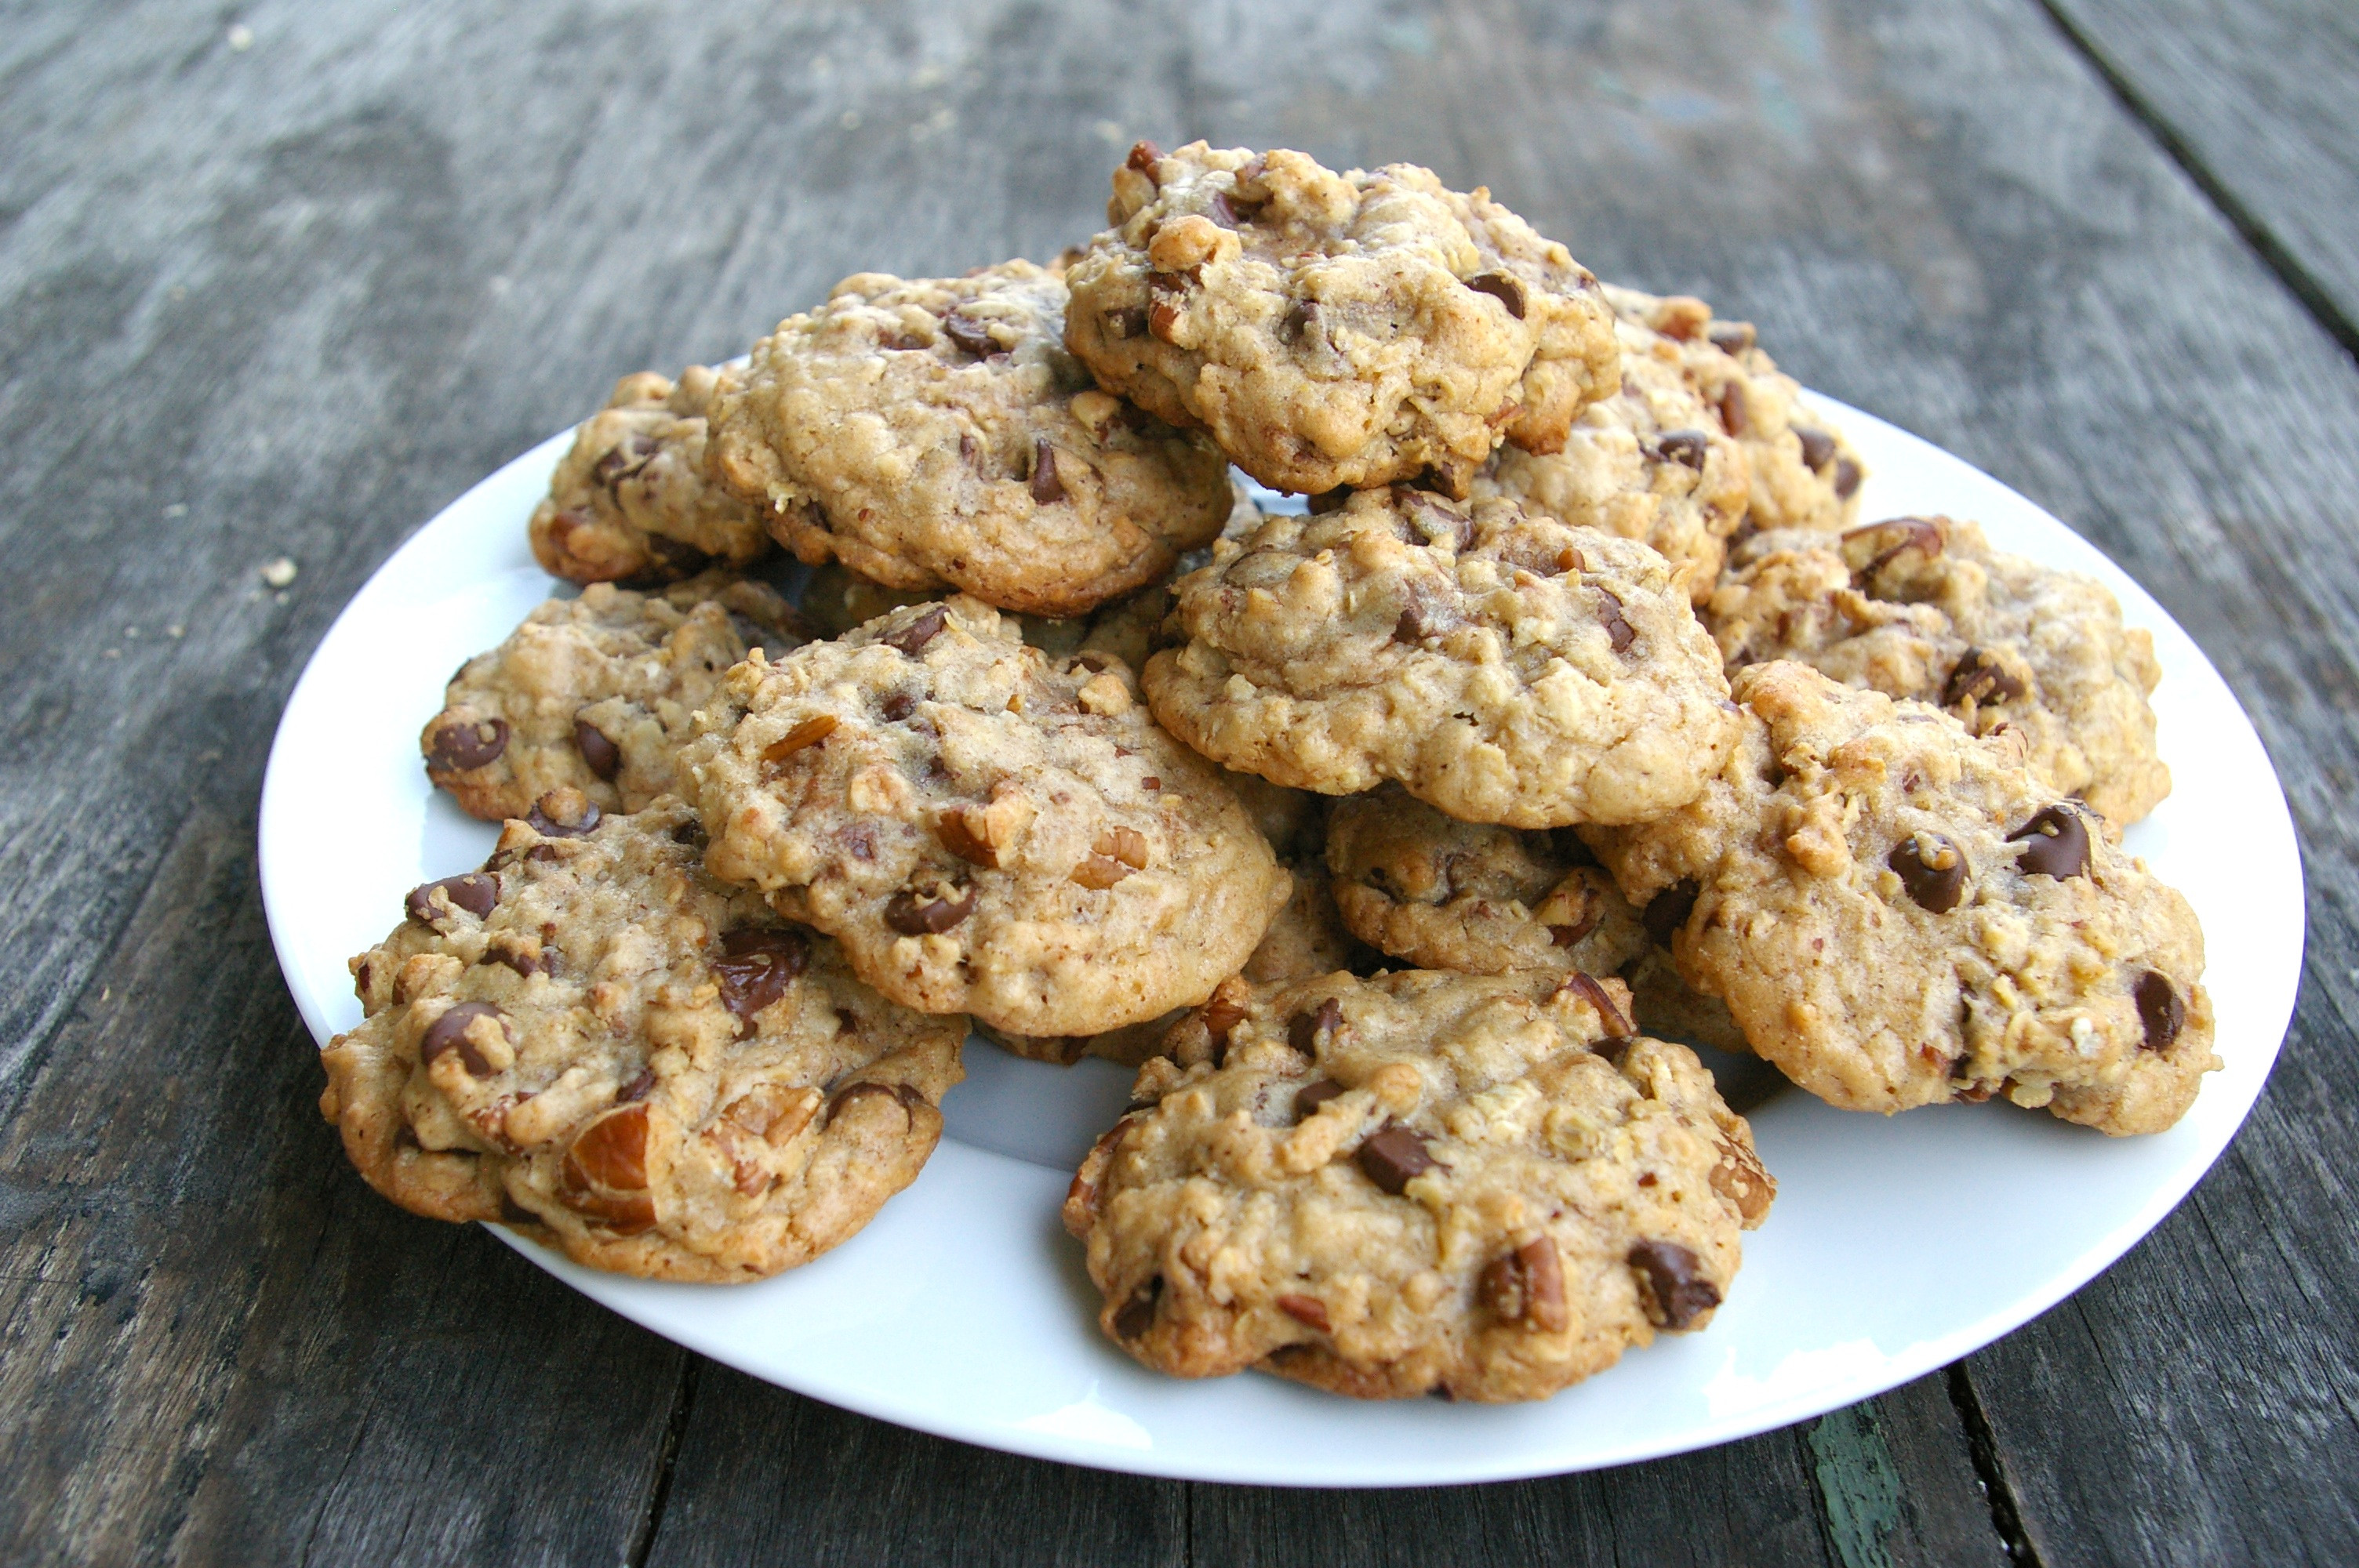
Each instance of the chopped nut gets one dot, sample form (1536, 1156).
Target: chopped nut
(810, 732)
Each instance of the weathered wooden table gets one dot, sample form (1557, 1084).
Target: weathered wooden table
(283, 281)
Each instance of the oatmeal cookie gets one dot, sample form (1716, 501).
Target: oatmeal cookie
(1476, 899)
(1901, 913)
(1923, 607)
(630, 502)
(595, 693)
(1503, 666)
(936, 431)
(1335, 329)
(985, 829)
(1651, 462)
(1419, 1183)
(592, 1041)
(1802, 472)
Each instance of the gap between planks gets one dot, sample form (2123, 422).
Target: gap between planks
(2249, 226)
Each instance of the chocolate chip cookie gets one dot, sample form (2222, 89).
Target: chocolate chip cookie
(630, 502)
(1923, 607)
(595, 693)
(1504, 666)
(592, 1041)
(1802, 472)
(1420, 1182)
(985, 829)
(935, 431)
(1334, 329)
(1651, 462)
(1308, 938)
(1477, 899)
(1901, 913)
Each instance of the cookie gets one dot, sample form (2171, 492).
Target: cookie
(1901, 913)
(1651, 462)
(1923, 606)
(592, 1041)
(934, 431)
(1503, 666)
(1480, 900)
(1334, 329)
(595, 693)
(1803, 473)
(985, 829)
(1665, 1006)
(1307, 936)
(630, 502)
(1420, 1182)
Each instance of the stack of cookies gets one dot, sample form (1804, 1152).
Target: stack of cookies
(1405, 839)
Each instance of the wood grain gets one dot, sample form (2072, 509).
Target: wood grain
(289, 298)
(2259, 99)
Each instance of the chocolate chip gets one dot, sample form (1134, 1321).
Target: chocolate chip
(1393, 1155)
(2159, 1008)
(1847, 476)
(1611, 1024)
(758, 964)
(1669, 909)
(1733, 337)
(1048, 486)
(564, 814)
(969, 334)
(459, 748)
(1312, 1096)
(910, 1098)
(1224, 212)
(470, 890)
(638, 1088)
(2055, 844)
(1980, 678)
(1425, 614)
(1328, 501)
(1733, 416)
(1932, 869)
(1619, 631)
(1128, 322)
(1502, 287)
(1676, 1292)
(897, 707)
(1689, 447)
(1435, 520)
(910, 639)
(1301, 323)
(448, 1032)
(1890, 538)
(1309, 1025)
(621, 462)
(1817, 448)
(1144, 156)
(604, 757)
(1137, 1314)
(913, 916)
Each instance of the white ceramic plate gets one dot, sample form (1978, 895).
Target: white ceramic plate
(1895, 1246)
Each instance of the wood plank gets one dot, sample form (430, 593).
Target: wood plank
(2260, 100)
(1890, 1482)
(769, 1477)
